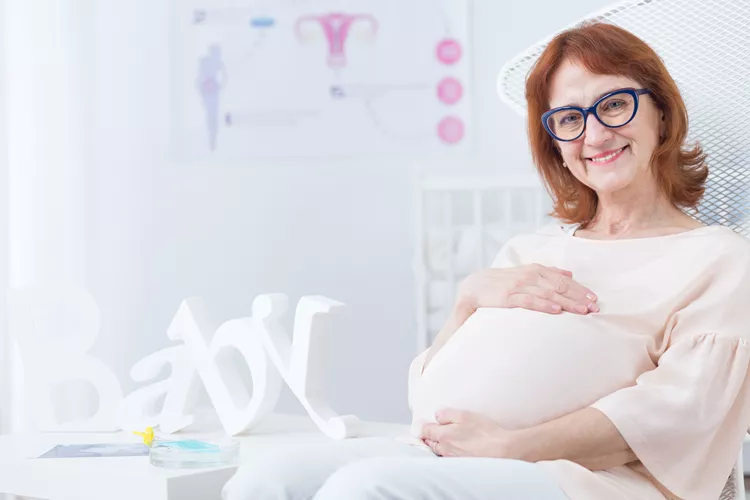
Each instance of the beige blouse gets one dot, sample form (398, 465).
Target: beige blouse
(666, 359)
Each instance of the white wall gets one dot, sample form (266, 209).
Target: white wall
(159, 231)
(5, 346)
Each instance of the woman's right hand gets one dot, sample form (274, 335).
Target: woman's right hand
(534, 287)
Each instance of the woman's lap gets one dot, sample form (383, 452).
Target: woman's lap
(298, 471)
(383, 469)
(386, 478)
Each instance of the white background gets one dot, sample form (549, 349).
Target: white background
(158, 230)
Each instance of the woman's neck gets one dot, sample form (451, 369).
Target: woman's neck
(637, 215)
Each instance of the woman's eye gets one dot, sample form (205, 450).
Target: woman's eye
(569, 119)
(614, 104)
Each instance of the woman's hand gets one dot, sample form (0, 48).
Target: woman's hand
(465, 434)
(534, 287)
(586, 437)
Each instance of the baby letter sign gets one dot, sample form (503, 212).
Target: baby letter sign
(56, 326)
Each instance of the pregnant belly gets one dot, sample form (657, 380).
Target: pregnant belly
(522, 368)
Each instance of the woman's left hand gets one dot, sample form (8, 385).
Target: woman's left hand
(460, 433)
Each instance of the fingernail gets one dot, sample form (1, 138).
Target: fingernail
(593, 308)
(582, 309)
(556, 308)
(591, 296)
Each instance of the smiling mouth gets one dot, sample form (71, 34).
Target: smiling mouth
(609, 158)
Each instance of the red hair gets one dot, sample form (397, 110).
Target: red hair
(605, 49)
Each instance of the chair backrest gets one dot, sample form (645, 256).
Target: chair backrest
(704, 44)
(734, 489)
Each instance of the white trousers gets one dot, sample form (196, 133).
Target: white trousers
(383, 469)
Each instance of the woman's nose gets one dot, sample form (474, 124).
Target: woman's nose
(596, 134)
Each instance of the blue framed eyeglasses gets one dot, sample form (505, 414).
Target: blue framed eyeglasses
(613, 110)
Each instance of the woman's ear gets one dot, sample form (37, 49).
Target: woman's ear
(662, 125)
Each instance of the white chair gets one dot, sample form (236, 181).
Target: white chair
(705, 45)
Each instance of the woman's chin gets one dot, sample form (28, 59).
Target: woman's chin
(609, 182)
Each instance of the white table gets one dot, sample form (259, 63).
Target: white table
(128, 478)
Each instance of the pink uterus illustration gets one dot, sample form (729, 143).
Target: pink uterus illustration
(336, 28)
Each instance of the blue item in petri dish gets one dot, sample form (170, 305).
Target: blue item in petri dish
(193, 454)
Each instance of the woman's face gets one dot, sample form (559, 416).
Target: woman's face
(630, 147)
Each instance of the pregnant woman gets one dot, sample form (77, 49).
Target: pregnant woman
(603, 357)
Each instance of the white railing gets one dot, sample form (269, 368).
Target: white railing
(462, 222)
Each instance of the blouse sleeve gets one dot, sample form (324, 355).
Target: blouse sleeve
(510, 255)
(686, 419)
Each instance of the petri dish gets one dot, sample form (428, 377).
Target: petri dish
(192, 454)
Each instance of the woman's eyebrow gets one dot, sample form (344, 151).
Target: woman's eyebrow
(595, 99)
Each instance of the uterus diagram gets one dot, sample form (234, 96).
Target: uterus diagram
(336, 27)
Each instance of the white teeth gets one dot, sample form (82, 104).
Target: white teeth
(608, 157)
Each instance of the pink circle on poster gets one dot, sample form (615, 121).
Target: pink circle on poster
(451, 130)
(449, 51)
(450, 90)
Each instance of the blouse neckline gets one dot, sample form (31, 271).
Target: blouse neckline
(569, 232)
